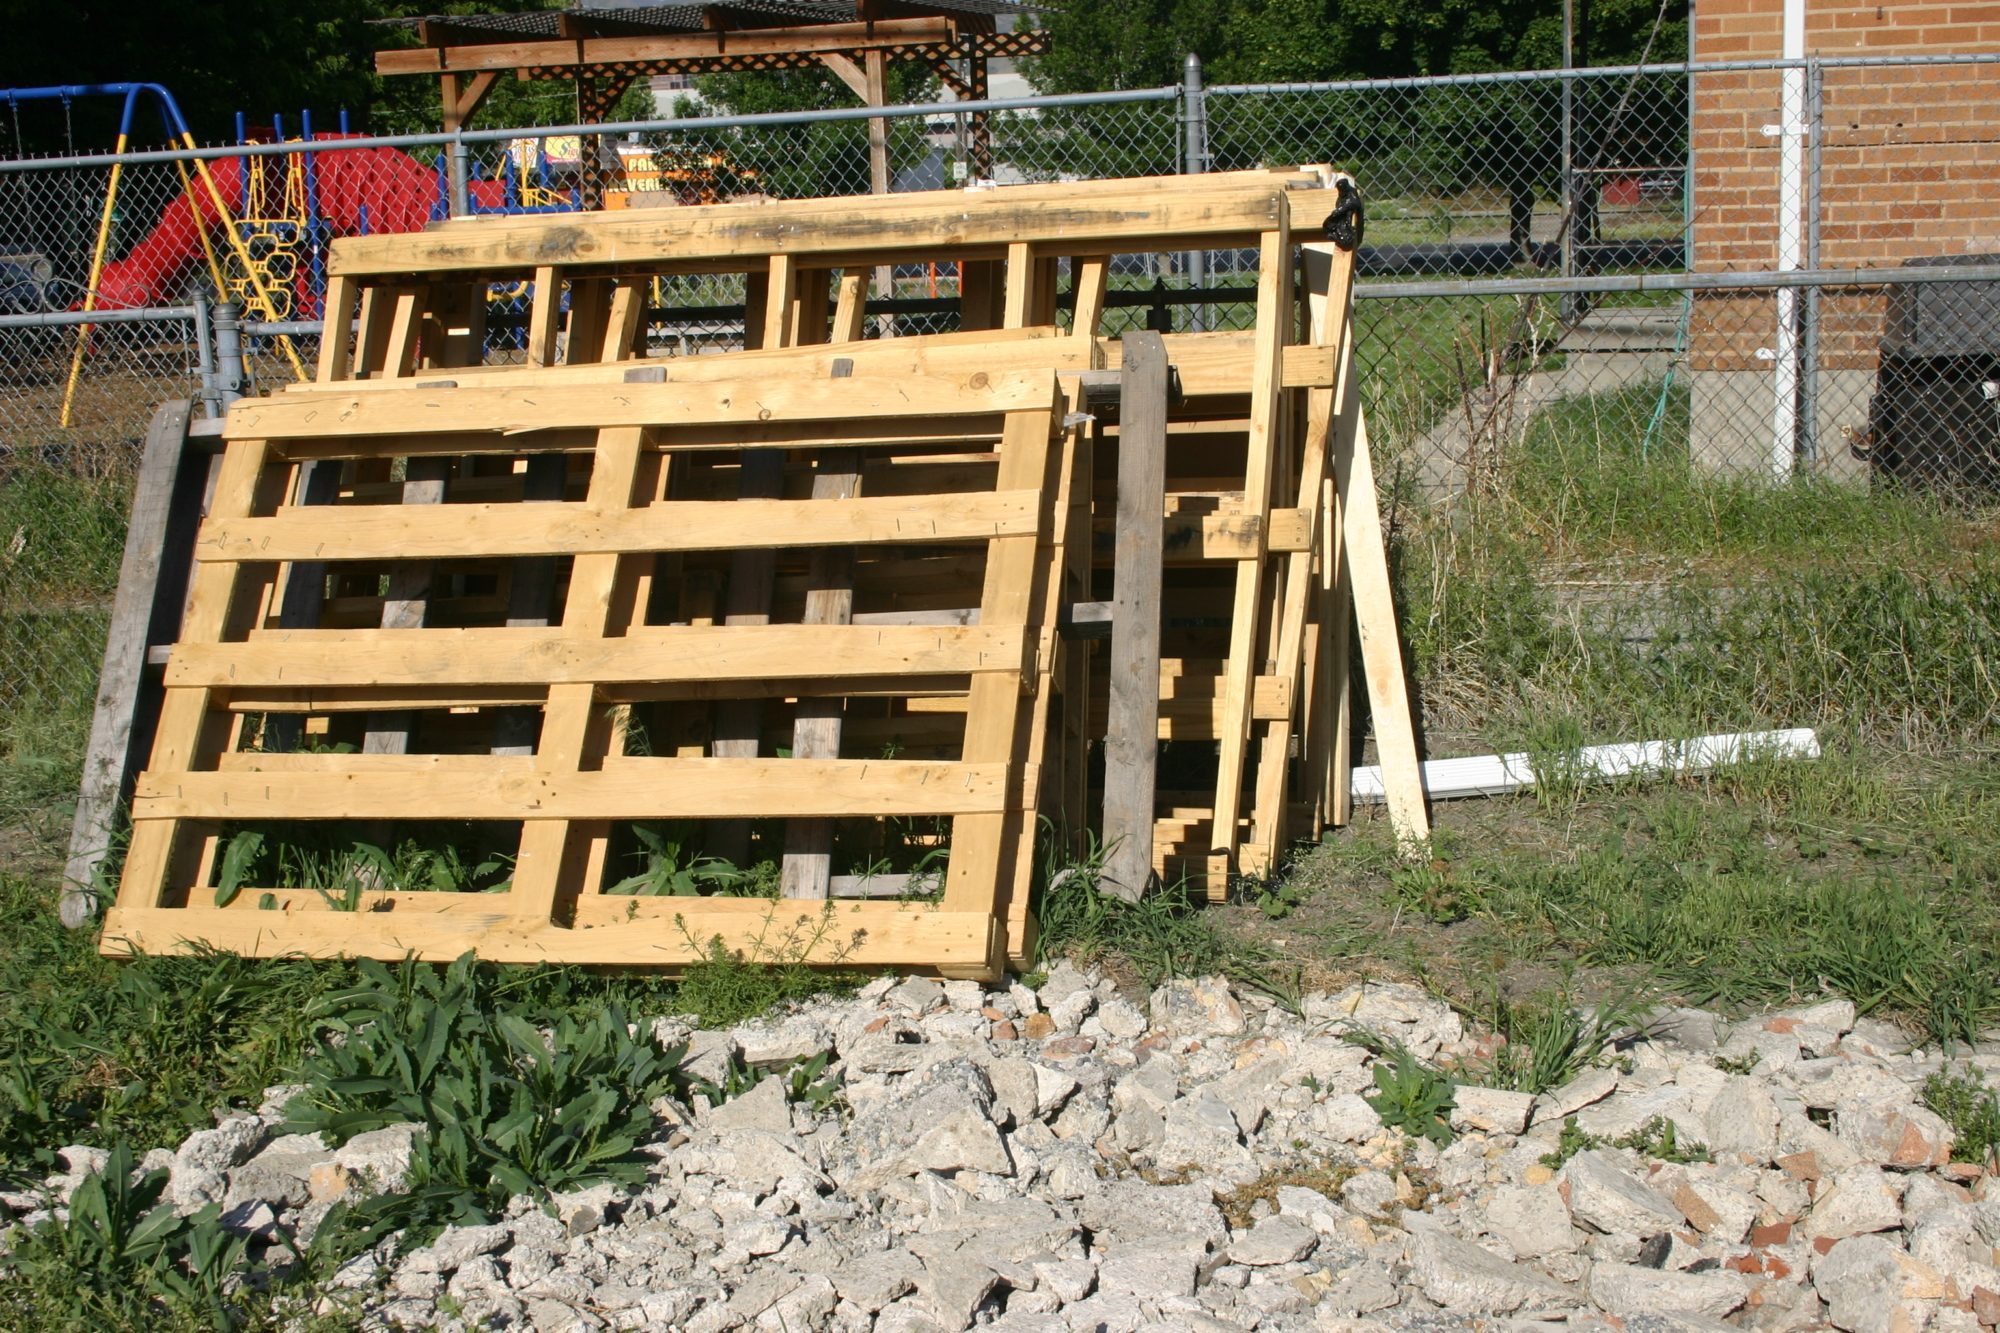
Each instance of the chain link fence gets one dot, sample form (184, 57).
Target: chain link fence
(1766, 271)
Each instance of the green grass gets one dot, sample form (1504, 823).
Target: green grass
(62, 536)
(1973, 1110)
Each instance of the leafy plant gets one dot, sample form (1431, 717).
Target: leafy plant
(1657, 1138)
(794, 961)
(515, 1098)
(1551, 1040)
(1429, 889)
(1410, 1097)
(122, 1258)
(669, 871)
(342, 870)
(1167, 933)
(1973, 1111)
(806, 1082)
(1274, 898)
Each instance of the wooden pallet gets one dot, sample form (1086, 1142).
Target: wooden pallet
(238, 663)
(1259, 392)
(1269, 550)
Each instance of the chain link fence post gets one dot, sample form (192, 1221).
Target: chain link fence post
(1194, 123)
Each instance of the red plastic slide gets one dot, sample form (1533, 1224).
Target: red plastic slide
(389, 187)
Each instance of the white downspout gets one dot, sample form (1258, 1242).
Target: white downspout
(1791, 241)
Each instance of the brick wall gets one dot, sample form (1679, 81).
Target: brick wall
(1910, 160)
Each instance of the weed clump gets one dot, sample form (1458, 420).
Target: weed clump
(1973, 1110)
(1413, 1098)
(515, 1098)
(121, 1259)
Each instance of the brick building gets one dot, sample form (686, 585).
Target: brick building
(1909, 170)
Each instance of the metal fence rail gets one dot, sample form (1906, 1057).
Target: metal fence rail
(1756, 270)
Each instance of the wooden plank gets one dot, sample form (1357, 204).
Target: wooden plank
(1329, 274)
(152, 583)
(564, 53)
(552, 850)
(986, 848)
(399, 356)
(850, 308)
(1090, 277)
(183, 733)
(962, 432)
(807, 870)
(1389, 703)
(545, 316)
(457, 531)
(478, 409)
(408, 600)
(531, 595)
(589, 321)
(609, 932)
(625, 338)
(1022, 287)
(1209, 365)
(737, 725)
(946, 224)
(336, 345)
(1131, 747)
(1274, 316)
(302, 600)
(486, 788)
(397, 659)
(371, 334)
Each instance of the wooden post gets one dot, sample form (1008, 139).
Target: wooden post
(152, 584)
(1131, 742)
(740, 722)
(876, 65)
(808, 864)
(1275, 315)
(1389, 701)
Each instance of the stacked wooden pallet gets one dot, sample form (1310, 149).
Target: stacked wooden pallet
(576, 584)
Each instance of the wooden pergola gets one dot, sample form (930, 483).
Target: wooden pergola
(602, 50)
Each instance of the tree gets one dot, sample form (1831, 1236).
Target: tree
(254, 56)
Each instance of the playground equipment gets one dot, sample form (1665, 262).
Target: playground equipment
(258, 297)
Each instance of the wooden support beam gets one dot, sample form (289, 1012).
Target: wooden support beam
(807, 871)
(1274, 316)
(387, 532)
(152, 585)
(503, 410)
(1131, 747)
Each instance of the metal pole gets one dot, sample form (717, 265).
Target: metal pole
(1195, 108)
(231, 376)
(1566, 242)
(211, 395)
(1791, 190)
(1809, 339)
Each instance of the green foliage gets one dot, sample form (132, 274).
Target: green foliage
(340, 867)
(806, 1082)
(1140, 43)
(1973, 1110)
(788, 959)
(1276, 899)
(669, 869)
(1413, 1098)
(1550, 1039)
(801, 160)
(1429, 889)
(1167, 933)
(122, 1259)
(1657, 1138)
(95, 1051)
(516, 1097)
